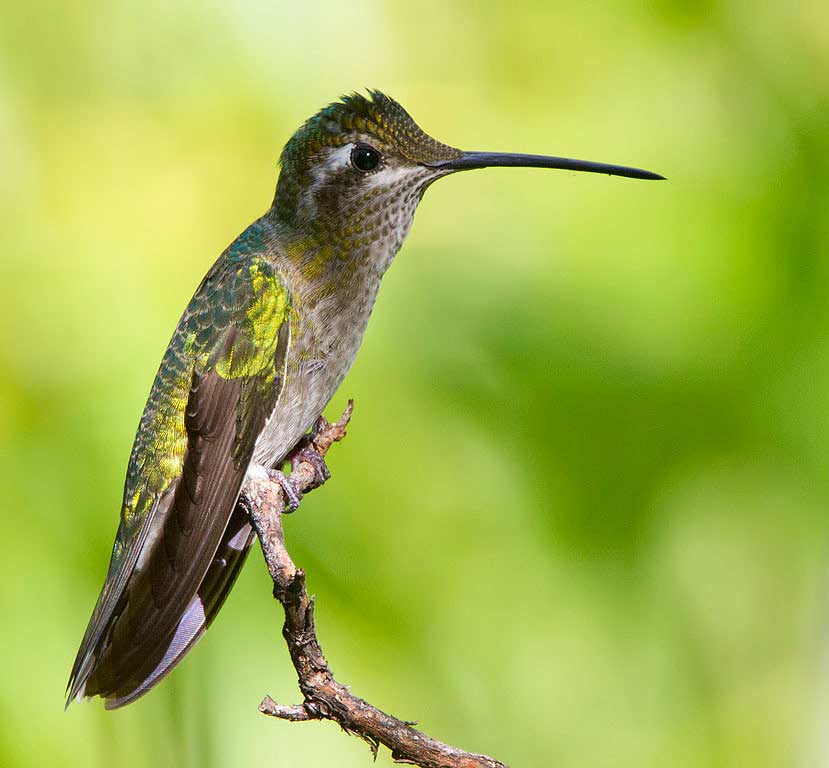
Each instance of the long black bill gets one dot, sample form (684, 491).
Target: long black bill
(470, 160)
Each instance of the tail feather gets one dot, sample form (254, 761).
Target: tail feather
(105, 676)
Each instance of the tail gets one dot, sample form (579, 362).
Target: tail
(98, 673)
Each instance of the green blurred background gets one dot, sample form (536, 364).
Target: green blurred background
(580, 517)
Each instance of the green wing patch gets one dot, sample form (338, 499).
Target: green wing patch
(232, 326)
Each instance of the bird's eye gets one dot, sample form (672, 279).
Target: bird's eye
(365, 158)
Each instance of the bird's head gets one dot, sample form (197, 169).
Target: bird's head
(355, 172)
(355, 160)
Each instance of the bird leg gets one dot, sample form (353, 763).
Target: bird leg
(291, 489)
(309, 450)
(310, 454)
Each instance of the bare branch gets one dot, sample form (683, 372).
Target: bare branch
(325, 698)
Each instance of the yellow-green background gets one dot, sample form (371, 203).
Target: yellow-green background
(581, 515)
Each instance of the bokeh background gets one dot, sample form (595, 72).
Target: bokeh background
(581, 515)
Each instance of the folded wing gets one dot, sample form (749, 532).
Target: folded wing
(182, 538)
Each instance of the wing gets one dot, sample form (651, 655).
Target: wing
(218, 384)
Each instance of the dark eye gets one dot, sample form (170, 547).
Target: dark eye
(365, 158)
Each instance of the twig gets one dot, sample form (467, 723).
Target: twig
(325, 698)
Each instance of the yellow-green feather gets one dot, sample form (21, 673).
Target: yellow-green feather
(232, 326)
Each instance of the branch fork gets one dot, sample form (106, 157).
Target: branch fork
(324, 697)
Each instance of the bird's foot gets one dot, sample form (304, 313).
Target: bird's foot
(293, 496)
(308, 453)
(304, 452)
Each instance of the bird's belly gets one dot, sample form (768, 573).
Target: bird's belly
(315, 369)
(300, 404)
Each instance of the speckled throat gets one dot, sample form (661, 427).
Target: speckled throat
(333, 273)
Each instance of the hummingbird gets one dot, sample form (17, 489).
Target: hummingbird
(259, 351)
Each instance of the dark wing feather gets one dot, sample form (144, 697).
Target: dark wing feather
(202, 609)
(188, 540)
(148, 614)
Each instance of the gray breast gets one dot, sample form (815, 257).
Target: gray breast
(326, 336)
(332, 313)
